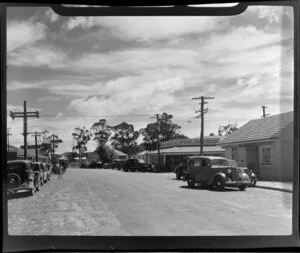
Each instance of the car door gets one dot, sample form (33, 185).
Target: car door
(207, 171)
(197, 170)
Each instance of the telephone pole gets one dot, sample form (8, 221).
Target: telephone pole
(264, 111)
(8, 134)
(202, 111)
(24, 115)
(36, 134)
(158, 141)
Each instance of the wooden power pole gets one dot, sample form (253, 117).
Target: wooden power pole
(202, 111)
(24, 115)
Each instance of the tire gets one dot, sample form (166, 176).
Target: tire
(31, 192)
(219, 183)
(13, 180)
(191, 181)
(178, 175)
(242, 187)
(253, 183)
(125, 169)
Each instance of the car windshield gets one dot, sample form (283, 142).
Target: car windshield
(219, 162)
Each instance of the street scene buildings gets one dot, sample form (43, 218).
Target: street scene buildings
(150, 125)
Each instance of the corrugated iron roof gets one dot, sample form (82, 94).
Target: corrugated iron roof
(260, 129)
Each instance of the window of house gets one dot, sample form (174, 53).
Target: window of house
(234, 154)
(266, 155)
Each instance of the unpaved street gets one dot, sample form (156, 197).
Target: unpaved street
(112, 202)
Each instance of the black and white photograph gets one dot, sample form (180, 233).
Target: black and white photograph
(150, 125)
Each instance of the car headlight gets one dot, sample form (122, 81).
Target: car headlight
(228, 171)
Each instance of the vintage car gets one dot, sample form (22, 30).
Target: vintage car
(180, 169)
(37, 167)
(215, 172)
(20, 176)
(250, 173)
(118, 163)
(135, 164)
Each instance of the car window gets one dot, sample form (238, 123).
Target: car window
(219, 162)
(191, 162)
(205, 163)
(197, 163)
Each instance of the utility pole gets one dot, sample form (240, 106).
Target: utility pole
(8, 134)
(264, 111)
(158, 141)
(202, 111)
(36, 134)
(24, 115)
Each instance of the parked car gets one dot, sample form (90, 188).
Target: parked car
(215, 172)
(250, 173)
(117, 164)
(134, 164)
(20, 176)
(38, 168)
(180, 169)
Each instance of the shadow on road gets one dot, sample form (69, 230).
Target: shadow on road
(18, 195)
(207, 188)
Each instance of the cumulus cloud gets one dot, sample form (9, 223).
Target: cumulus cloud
(21, 33)
(51, 15)
(149, 28)
(38, 56)
(130, 95)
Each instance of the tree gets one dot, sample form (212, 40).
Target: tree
(124, 138)
(167, 131)
(101, 131)
(105, 153)
(228, 129)
(81, 137)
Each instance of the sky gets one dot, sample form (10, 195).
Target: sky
(78, 70)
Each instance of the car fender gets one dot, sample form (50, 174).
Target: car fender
(244, 177)
(219, 174)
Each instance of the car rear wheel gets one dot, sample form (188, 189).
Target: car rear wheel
(31, 192)
(219, 183)
(242, 187)
(178, 175)
(191, 181)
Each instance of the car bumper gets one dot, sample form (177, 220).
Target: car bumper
(238, 183)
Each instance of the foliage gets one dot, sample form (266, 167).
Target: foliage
(101, 131)
(164, 129)
(228, 129)
(81, 136)
(49, 144)
(105, 153)
(124, 138)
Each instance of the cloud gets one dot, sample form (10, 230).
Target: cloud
(38, 56)
(21, 33)
(130, 95)
(147, 29)
(51, 15)
(273, 14)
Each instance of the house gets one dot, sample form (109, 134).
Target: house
(264, 145)
(173, 152)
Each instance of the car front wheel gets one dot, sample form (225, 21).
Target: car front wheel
(219, 183)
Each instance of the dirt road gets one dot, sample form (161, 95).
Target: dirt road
(111, 202)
